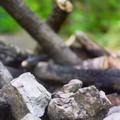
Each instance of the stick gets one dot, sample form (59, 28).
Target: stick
(59, 14)
(91, 47)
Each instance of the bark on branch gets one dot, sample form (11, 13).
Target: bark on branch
(91, 47)
(108, 78)
(10, 53)
(42, 33)
(103, 62)
(59, 14)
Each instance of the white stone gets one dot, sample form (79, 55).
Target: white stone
(114, 116)
(114, 109)
(34, 94)
(72, 86)
(30, 116)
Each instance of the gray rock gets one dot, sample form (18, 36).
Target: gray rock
(26, 95)
(4, 109)
(72, 86)
(5, 76)
(85, 104)
(30, 116)
(114, 109)
(114, 116)
(114, 113)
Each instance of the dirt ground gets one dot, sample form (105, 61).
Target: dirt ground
(21, 39)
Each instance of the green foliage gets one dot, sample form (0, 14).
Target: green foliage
(7, 23)
(88, 15)
(41, 7)
(93, 15)
(111, 38)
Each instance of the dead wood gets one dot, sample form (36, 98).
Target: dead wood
(59, 14)
(80, 52)
(103, 62)
(108, 78)
(33, 60)
(96, 63)
(10, 53)
(91, 47)
(114, 62)
(42, 33)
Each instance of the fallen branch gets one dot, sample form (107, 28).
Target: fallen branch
(42, 33)
(103, 62)
(80, 52)
(33, 60)
(59, 14)
(10, 53)
(91, 47)
(108, 78)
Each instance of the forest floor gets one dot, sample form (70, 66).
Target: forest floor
(21, 39)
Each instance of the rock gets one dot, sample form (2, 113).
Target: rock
(114, 116)
(114, 109)
(5, 76)
(114, 99)
(85, 104)
(4, 109)
(26, 95)
(72, 86)
(30, 116)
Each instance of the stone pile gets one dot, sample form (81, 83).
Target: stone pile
(24, 98)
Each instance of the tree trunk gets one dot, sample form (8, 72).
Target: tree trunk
(59, 14)
(42, 33)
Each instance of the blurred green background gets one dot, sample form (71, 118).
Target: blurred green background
(99, 19)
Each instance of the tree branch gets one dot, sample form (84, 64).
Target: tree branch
(10, 53)
(59, 14)
(108, 78)
(91, 47)
(42, 33)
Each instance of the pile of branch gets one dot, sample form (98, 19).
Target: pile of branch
(56, 49)
(25, 97)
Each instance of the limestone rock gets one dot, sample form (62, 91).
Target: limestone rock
(85, 104)
(30, 116)
(114, 109)
(4, 109)
(72, 86)
(114, 116)
(26, 95)
(5, 76)
(114, 113)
